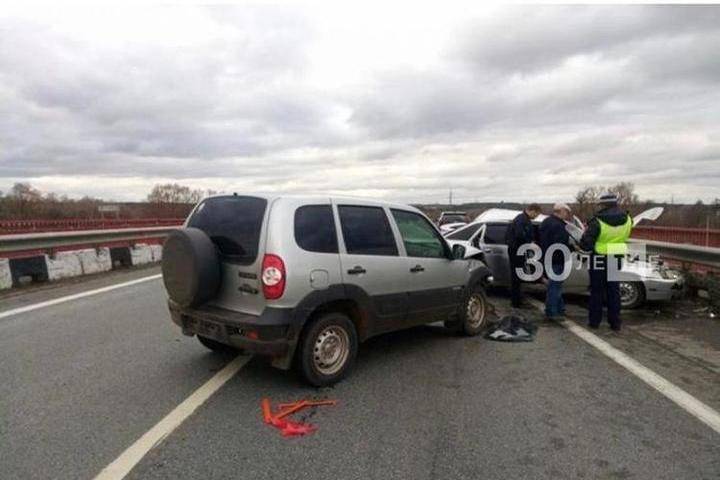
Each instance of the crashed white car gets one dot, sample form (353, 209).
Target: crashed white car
(484, 239)
(450, 221)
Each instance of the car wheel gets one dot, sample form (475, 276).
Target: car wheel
(328, 349)
(632, 294)
(475, 313)
(216, 346)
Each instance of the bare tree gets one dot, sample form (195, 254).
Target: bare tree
(627, 198)
(174, 193)
(24, 192)
(586, 198)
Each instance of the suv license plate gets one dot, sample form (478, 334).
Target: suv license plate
(209, 330)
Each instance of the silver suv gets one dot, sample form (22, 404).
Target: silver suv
(308, 278)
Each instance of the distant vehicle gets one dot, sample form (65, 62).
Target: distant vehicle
(449, 221)
(306, 279)
(484, 238)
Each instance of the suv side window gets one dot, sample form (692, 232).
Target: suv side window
(366, 231)
(315, 229)
(419, 237)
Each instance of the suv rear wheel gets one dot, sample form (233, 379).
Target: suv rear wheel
(327, 349)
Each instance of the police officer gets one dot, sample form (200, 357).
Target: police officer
(606, 236)
(518, 233)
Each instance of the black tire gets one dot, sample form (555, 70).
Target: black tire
(472, 321)
(216, 346)
(190, 267)
(632, 295)
(319, 332)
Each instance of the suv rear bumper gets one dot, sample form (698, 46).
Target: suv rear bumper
(267, 334)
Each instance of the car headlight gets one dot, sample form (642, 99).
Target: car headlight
(670, 274)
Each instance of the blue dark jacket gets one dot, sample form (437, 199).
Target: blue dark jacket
(519, 232)
(552, 230)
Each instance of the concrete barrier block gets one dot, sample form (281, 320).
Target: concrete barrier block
(156, 252)
(141, 254)
(5, 274)
(104, 258)
(63, 265)
(94, 261)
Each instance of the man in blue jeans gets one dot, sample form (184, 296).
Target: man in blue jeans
(553, 232)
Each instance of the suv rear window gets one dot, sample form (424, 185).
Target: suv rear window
(315, 229)
(233, 223)
(366, 231)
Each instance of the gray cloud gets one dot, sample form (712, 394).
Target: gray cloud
(525, 39)
(549, 98)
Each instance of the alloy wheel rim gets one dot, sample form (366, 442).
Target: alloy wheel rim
(331, 350)
(628, 293)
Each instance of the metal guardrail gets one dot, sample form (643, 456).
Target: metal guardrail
(707, 256)
(696, 236)
(13, 227)
(54, 240)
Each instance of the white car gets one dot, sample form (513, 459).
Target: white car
(485, 238)
(450, 221)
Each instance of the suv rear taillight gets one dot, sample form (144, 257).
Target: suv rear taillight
(273, 276)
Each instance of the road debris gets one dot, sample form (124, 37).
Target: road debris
(279, 420)
(512, 329)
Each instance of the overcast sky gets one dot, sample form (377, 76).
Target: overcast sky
(522, 103)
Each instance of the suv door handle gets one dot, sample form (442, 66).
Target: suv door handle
(356, 270)
(417, 268)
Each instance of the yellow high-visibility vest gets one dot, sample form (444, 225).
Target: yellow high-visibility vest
(613, 240)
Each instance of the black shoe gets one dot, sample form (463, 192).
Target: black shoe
(594, 327)
(615, 329)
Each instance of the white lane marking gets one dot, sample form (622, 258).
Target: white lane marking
(122, 465)
(68, 298)
(684, 400)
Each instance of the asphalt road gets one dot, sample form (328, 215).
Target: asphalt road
(83, 380)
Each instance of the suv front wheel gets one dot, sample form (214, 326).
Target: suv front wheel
(328, 349)
(474, 313)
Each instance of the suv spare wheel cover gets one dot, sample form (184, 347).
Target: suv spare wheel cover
(190, 267)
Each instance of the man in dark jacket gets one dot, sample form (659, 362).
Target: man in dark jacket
(553, 232)
(606, 236)
(519, 233)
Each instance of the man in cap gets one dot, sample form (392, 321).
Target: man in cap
(553, 232)
(519, 233)
(606, 236)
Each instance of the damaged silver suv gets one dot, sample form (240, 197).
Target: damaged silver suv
(308, 278)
